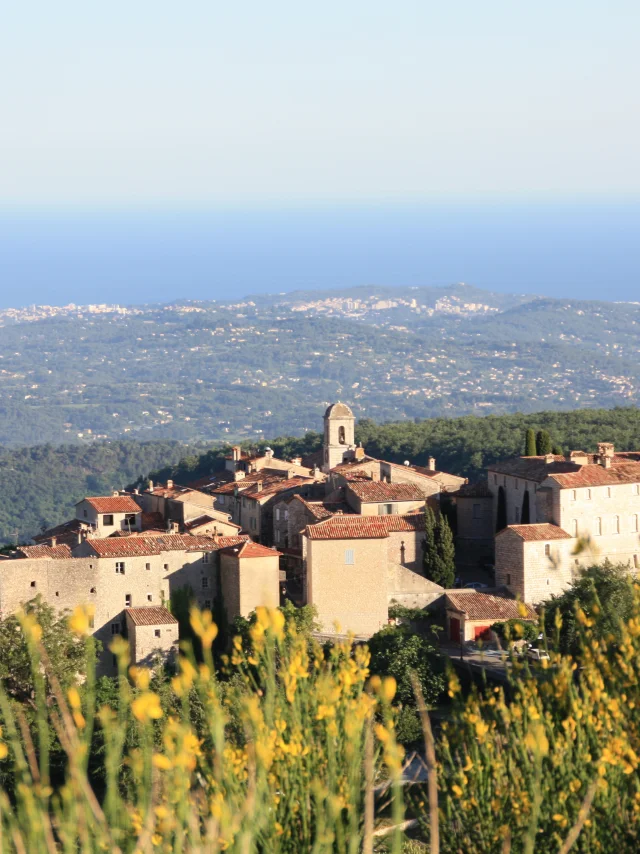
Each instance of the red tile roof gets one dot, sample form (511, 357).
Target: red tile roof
(597, 475)
(59, 552)
(377, 490)
(364, 527)
(532, 468)
(143, 546)
(151, 616)
(249, 549)
(282, 485)
(537, 533)
(114, 504)
(485, 606)
(67, 533)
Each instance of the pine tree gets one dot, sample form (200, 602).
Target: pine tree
(430, 557)
(543, 443)
(446, 553)
(530, 443)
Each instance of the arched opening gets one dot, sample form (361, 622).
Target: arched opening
(501, 519)
(526, 510)
(342, 438)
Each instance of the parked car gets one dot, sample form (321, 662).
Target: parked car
(537, 654)
(476, 585)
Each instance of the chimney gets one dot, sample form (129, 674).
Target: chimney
(169, 484)
(290, 474)
(431, 463)
(80, 537)
(136, 492)
(268, 452)
(150, 486)
(259, 486)
(580, 458)
(359, 453)
(238, 475)
(54, 542)
(236, 451)
(549, 458)
(375, 475)
(606, 462)
(115, 493)
(606, 452)
(297, 461)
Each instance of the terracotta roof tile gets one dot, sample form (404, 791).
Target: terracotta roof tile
(486, 606)
(282, 485)
(364, 527)
(598, 475)
(532, 468)
(377, 490)
(151, 616)
(142, 546)
(114, 504)
(537, 533)
(43, 552)
(250, 549)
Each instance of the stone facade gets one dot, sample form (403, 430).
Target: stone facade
(153, 635)
(339, 435)
(249, 576)
(347, 582)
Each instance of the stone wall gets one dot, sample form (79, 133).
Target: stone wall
(149, 642)
(249, 582)
(475, 520)
(409, 588)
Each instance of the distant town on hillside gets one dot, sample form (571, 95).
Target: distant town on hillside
(263, 365)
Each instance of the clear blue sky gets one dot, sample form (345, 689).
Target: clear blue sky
(286, 102)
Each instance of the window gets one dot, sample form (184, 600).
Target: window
(84, 512)
(207, 603)
(574, 494)
(205, 583)
(574, 527)
(119, 567)
(277, 536)
(516, 515)
(598, 524)
(616, 524)
(33, 584)
(385, 509)
(252, 523)
(495, 478)
(127, 600)
(149, 597)
(91, 623)
(114, 660)
(130, 520)
(220, 499)
(634, 524)
(166, 565)
(636, 562)
(108, 519)
(477, 511)
(349, 558)
(244, 502)
(115, 628)
(608, 492)
(342, 438)
(504, 481)
(588, 495)
(517, 486)
(156, 633)
(206, 557)
(636, 488)
(147, 566)
(57, 593)
(508, 578)
(277, 514)
(93, 590)
(286, 515)
(547, 550)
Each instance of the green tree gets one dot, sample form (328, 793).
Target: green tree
(446, 566)
(530, 449)
(399, 652)
(605, 593)
(543, 443)
(430, 556)
(65, 652)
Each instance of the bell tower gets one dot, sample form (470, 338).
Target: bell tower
(339, 435)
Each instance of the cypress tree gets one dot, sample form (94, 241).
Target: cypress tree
(543, 443)
(530, 443)
(430, 557)
(446, 553)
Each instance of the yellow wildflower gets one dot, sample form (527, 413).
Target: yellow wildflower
(81, 620)
(146, 707)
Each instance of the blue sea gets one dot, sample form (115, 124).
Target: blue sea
(578, 248)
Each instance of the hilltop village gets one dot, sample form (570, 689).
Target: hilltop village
(339, 530)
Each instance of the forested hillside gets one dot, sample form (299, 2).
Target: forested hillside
(40, 485)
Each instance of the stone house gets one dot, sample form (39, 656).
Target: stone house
(474, 513)
(153, 635)
(378, 498)
(110, 515)
(249, 575)
(591, 503)
(470, 613)
(356, 565)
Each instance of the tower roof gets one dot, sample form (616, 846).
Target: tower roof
(338, 410)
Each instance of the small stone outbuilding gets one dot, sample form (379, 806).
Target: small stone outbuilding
(153, 634)
(471, 613)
